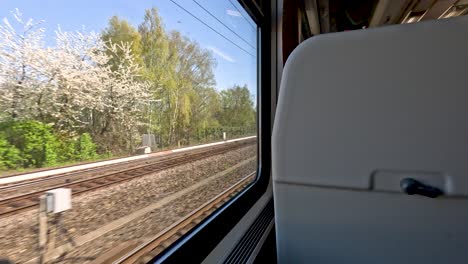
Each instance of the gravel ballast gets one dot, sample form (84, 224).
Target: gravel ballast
(95, 209)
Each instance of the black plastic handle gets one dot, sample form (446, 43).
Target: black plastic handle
(412, 186)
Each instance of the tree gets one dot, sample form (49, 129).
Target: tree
(197, 100)
(52, 85)
(90, 94)
(117, 124)
(73, 86)
(159, 60)
(75, 70)
(119, 31)
(92, 87)
(194, 64)
(237, 107)
(19, 65)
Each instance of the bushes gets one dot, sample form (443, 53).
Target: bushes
(85, 148)
(10, 157)
(34, 140)
(80, 148)
(25, 144)
(67, 150)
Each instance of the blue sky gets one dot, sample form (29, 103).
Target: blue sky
(234, 65)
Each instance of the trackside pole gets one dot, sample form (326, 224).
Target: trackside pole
(52, 203)
(42, 228)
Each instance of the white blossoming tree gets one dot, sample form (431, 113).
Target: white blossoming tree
(70, 85)
(122, 98)
(20, 80)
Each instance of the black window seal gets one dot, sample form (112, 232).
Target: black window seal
(194, 246)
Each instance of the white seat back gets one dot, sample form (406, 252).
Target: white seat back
(358, 112)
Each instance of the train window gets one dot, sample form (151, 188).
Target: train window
(122, 124)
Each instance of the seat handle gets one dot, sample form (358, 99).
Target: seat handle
(411, 186)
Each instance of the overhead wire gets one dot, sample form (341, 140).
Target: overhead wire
(221, 22)
(253, 26)
(214, 30)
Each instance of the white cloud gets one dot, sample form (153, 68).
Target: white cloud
(233, 13)
(221, 54)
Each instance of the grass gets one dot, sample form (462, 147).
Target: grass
(8, 173)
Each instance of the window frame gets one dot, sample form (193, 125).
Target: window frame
(203, 238)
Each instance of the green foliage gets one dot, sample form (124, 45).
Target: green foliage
(180, 74)
(157, 55)
(159, 63)
(186, 108)
(66, 151)
(9, 155)
(85, 148)
(237, 107)
(105, 155)
(34, 140)
(25, 144)
(120, 31)
(198, 101)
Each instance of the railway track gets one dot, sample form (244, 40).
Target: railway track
(143, 253)
(93, 170)
(113, 165)
(19, 203)
(89, 172)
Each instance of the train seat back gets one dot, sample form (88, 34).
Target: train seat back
(364, 119)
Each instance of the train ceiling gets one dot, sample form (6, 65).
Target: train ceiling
(323, 16)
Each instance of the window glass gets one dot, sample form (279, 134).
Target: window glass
(123, 124)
